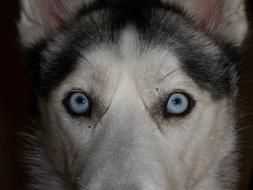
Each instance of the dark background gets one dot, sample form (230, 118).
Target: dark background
(15, 93)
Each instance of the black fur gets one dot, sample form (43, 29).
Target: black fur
(157, 24)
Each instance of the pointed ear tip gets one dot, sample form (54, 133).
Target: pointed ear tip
(235, 35)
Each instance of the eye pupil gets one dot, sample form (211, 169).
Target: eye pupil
(80, 100)
(177, 101)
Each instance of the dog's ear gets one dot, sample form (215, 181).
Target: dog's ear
(224, 19)
(41, 18)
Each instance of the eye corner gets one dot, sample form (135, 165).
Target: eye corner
(186, 110)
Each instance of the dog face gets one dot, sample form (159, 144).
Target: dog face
(133, 95)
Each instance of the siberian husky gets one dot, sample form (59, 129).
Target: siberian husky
(133, 94)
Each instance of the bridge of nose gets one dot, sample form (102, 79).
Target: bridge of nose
(127, 111)
(126, 151)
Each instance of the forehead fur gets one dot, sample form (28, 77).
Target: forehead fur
(210, 63)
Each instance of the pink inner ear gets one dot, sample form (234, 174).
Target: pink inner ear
(208, 13)
(53, 11)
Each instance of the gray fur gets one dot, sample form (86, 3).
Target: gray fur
(120, 53)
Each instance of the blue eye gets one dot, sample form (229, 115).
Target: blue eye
(178, 104)
(77, 103)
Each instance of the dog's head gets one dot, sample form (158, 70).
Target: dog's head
(133, 94)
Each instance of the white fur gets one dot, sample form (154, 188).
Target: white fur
(131, 147)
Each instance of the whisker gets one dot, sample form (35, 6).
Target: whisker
(162, 64)
(171, 72)
(77, 181)
(242, 129)
(88, 61)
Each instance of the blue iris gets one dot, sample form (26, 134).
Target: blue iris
(78, 103)
(178, 104)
